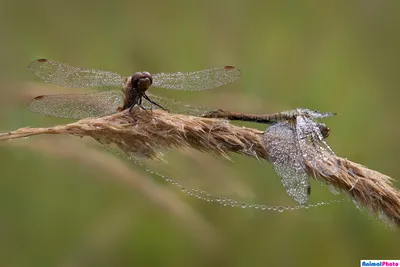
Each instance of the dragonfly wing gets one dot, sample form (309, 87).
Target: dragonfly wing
(78, 106)
(197, 80)
(284, 153)
(313, 146)
(175, 106)
(72, 77)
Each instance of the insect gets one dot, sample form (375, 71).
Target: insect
(293, 138)
(134, 88)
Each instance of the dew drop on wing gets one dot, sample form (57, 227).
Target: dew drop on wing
(287, 159)
(77, 106)
(67, 76)
(197, 80)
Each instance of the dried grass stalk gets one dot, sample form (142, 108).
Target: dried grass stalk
(145, 134)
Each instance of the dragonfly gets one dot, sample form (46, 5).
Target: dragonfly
(126, 93)
(292, 138)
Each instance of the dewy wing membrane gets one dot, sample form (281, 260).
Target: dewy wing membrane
(78, 106)
(287, 160)
(197, 80)
(67, 76)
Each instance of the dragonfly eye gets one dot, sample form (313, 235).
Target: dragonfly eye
(141, 75)
(136, 76)
(325, 131)
(148, 75)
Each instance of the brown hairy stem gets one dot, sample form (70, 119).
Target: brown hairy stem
(146, 133)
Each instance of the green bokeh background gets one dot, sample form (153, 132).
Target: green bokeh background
(58, 209)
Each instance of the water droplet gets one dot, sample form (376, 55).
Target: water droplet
(244, 205)
(281, 209)
(333, 190)
(357, 204)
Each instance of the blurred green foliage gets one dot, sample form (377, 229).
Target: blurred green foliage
(340, 56)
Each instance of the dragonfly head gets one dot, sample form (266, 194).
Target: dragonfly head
(325, 131)
(141, 81)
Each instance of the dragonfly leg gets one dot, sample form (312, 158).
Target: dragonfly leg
(152, 102)
(142, 107)
(131, 107)
(137, 103)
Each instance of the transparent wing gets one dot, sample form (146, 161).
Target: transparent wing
(174, 106)
(198, 80)
(72, 77)
(284, 153)
(310, 136)
(78, 106)
(315, 150)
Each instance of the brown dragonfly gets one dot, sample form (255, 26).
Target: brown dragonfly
(131, 91)
(293, 138)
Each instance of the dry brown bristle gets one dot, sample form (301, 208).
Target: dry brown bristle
(145, 134)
